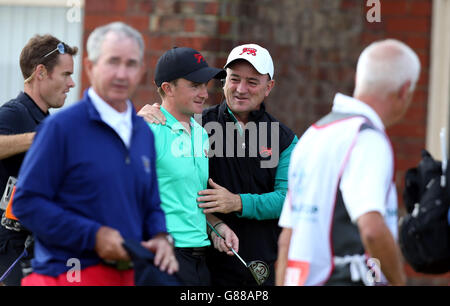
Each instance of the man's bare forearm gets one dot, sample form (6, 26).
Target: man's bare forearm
(380, 244)
(14, 144)
(283, 250)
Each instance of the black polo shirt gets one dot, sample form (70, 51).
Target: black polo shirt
(242, 174)
(17, 116)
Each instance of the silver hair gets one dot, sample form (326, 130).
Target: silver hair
(96, 38)
(384, 66)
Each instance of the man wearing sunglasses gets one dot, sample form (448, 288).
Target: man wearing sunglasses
(47, 65)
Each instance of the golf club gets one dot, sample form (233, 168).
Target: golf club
(258, 268)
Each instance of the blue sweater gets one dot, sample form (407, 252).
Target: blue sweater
(77, 176)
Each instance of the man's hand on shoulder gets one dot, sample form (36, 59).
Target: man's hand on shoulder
(152, 114)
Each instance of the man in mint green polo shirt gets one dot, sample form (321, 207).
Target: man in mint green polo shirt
(182, 144)
(247, 190)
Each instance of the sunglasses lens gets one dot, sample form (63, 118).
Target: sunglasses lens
(61, 48)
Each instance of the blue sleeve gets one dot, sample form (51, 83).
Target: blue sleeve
(155, 222)
(268, 205)
(41, 174)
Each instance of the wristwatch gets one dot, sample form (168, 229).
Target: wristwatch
(169, 238)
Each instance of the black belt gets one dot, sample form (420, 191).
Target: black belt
(198, 251)
(121, 265)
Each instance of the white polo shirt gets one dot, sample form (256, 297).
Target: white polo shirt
(120, 122)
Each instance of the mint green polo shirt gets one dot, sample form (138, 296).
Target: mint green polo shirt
(182, 171)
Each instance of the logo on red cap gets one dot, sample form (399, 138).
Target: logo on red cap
(199, 57)
(249, 51)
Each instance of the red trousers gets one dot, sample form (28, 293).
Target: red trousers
(99, 275)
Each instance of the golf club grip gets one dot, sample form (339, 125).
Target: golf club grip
(232, 250)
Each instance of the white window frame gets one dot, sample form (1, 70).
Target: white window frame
(54, 3)
(439, 86)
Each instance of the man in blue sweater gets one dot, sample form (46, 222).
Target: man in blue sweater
(89, 182)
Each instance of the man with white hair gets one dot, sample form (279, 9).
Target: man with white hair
(88, 182)
(340, 216)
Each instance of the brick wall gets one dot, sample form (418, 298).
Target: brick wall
(164, 24)
(314, 44)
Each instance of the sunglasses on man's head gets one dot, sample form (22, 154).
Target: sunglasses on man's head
(59, 47)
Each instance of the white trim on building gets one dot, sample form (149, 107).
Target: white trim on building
(439, 86)
(52, 3)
